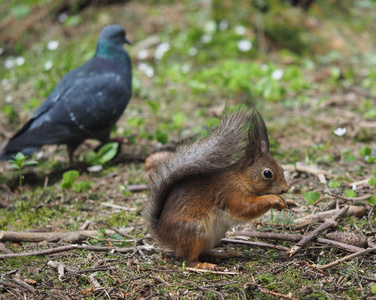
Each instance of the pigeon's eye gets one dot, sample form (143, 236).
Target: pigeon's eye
(268, 174)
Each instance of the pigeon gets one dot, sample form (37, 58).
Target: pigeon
(86, 103)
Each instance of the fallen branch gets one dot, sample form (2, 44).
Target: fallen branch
(265, 291)
(314, 170)
(73, 247)
(296, 238)
(69, 237)
(360, 198)
(357, 211)
(12, 285)
(24, 285)
(135, 188)
(211, 271)
(306, 239)
(61, 267)
(115, 206)
(255, 244)
(341, 260)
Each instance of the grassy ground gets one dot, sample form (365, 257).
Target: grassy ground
(311, 74)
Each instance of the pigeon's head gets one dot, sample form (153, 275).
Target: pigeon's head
(114, 34)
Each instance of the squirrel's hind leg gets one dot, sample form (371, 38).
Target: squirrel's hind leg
(190, 250)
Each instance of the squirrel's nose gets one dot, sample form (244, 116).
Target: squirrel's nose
(284, 190)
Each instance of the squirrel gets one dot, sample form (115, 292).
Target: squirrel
(203, 188)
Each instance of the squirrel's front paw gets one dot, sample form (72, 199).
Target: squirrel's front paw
(279, 203)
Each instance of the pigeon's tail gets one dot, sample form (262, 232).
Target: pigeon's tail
(8, 155)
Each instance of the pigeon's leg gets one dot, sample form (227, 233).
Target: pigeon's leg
(70, 149)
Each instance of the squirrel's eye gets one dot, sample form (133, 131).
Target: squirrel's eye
(268, 174)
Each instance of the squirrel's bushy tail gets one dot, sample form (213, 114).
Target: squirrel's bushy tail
(225, 145)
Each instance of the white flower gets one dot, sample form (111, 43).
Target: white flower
(8, 99)
(210, 26)
(9, 63)
(354, 187)
(52, 45)
(240, 30)
(223, 25)
(277, 74)
(340, 131)
(95, 168)
(185, 68)
(161, 50)
(206, 38)
(148, 70)
(39, 155)
(48, 65)
(192, 51)
(142, 54)
(20, 61)
(244, 45)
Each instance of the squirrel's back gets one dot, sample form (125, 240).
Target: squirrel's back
(225, 145)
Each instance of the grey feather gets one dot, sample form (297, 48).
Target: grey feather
(87, 102)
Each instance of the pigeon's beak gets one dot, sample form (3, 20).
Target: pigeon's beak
(126, 41)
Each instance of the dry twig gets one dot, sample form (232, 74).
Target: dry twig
(296, 238)
(341, 260)
(306, 239)
(73, 247)
(12, 285)
(275, 294)
(24, 284)
(358, 211)
(211, 271)
(71, 237)
(256, 244)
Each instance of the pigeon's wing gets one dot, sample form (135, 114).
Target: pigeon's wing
(56, 96)
(89, 108)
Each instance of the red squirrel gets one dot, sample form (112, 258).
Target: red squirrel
(203, 188)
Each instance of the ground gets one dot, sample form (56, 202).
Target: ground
(309, 72)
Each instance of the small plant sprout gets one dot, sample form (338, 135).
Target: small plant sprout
(19, 162)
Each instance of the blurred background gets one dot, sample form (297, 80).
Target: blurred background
(307, 65)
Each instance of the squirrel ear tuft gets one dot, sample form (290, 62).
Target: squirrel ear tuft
(258, 140)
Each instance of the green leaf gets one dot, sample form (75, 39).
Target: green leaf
(350, 194)
(82, 186)
(179, 119)
(372, 200)
(154, 106)
(161, 136)
(334, 184)
(373, 289)
(364, 151)
(107, 152)
(91, 158)
(30, 162)
(14, 166)
(350, 158)
(311, 197)
(104, 155)
(372, 181)
(73, 21)
(20, 11)
(69, 178)
(19, 158)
